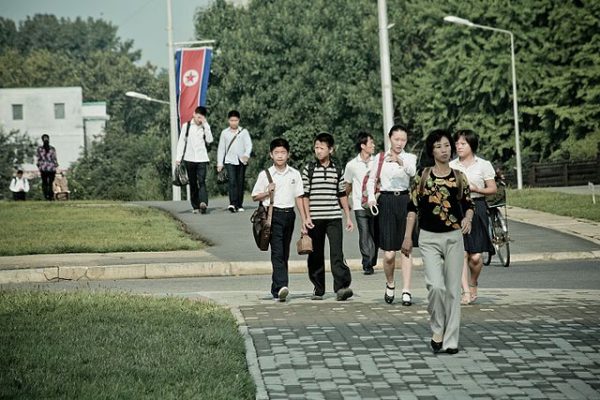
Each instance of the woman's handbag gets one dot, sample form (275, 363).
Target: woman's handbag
(180, 176)
(304, 245)
(261, 221)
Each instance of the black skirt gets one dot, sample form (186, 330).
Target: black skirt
(391, 220)
(478, 241)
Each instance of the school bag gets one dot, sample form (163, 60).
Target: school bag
(364, 200)
(261, 221)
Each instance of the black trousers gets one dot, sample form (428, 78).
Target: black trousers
(282, 229)
(197, 175)
(237, 174)
(366, 238)
(19, 196)
(332, 228)
(47, 179)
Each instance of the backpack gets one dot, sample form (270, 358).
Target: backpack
(364, 200)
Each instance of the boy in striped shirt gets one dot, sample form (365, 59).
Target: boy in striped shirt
(324, 193)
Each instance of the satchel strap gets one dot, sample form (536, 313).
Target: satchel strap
(271, 196)
(240, 129)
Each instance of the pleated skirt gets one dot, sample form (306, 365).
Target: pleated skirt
(391, 221)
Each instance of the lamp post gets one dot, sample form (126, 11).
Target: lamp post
(386, 75)
(142, 96)
(462, 21)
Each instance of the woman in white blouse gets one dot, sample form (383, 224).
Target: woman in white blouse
(480, 174)
(394, 180)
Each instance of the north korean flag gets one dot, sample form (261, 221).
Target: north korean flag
(192, 69)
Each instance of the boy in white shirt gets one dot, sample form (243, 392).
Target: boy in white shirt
(287, 190)
(19, 186)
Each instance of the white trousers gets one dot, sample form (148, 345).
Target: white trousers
(443, 259)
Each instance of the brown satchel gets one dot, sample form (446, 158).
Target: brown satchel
(261, 221)
(304, 245)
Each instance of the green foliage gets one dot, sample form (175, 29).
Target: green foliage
(17, 148)
(101, 345)
(570, 205)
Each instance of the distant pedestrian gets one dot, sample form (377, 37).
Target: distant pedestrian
(235, 147)
(440, 196)
(287, 191)
(397, 169)
(19, 186)
(47, 164)
(355, 173)
(324, 199)
(60, 187)
(198, 135)
(481, 176)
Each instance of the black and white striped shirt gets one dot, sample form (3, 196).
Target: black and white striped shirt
(324, 191)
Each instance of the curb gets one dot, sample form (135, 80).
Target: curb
(212, 268)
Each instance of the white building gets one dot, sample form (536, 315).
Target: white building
(59, 112)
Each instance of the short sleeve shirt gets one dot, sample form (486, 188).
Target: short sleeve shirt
(288, 186)
(355, 173)
(324, 191)
(477, 173)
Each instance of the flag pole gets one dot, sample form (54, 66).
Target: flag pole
(172, 100)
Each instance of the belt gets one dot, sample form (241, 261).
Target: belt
(286, 210)
(395, 192)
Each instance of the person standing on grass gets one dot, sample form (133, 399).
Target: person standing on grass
(481, 176)
(287, 190)
(396, 171)
(198, 135)
(47, 164)
(19, 186)
(440, 196)
(235, 147)
(355, 172)
(324, 199)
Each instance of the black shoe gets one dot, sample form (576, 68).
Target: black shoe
(436, 346)
(389, 299)
(406, 299)
(368, 271)
(344, 294)
(451, 351)
(231, 208)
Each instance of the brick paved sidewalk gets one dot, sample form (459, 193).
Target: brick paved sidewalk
(369, 350)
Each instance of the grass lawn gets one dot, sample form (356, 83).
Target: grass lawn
(570, 205)
(82, 345)
(33, 227)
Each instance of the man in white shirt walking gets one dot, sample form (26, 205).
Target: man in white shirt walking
(235, 147)
(197, 134)
(356, 171)
(287, 191)
(19, 186)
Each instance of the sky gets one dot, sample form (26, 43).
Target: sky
(144, 21)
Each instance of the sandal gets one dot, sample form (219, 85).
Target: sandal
(473, 292)
(389, 294)
(466, 298)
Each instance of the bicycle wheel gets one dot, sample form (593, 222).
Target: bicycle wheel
(486, 255)
(501, 238)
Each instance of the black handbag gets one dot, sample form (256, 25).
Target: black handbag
(261, 221)
(180, 176)
(222, 175)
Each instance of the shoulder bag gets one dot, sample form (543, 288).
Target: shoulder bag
(222, 176)
(261, 221)
(180, 176)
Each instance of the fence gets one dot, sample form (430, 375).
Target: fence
(564, 173)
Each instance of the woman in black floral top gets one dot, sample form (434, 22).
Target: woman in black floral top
(439, 195)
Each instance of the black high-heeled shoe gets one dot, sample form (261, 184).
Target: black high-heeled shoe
(436, 346)
(389, 299)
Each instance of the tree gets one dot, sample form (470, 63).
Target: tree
(17, 149)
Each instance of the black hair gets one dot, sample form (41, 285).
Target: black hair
(279, 142)
(19, 171)
(201, 110)
(233, 113)
(434, 137)
(45, 135)
(362, 137)
(325, 137)
(470, 137)
(397, 127)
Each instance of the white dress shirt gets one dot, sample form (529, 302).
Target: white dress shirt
(198, 137)
(288, 186)
(242, 147)
(19, 185)
(477, 173)
(393, 176)
(355, 173)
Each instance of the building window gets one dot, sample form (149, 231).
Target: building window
(59, 110)
(17, 110)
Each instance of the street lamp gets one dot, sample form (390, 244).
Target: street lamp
(462, 21)
(145, 97)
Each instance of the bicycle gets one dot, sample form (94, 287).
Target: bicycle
(498, 225)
